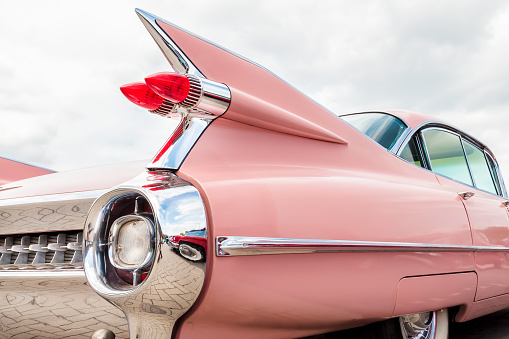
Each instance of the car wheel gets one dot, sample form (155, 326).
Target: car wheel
(425, 325)
(191, 252)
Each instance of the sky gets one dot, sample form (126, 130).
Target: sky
(62, 63)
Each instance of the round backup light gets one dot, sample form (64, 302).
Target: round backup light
(131, 242)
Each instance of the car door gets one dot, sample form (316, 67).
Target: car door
(464, 167)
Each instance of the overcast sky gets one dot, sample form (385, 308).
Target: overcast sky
(62, 62)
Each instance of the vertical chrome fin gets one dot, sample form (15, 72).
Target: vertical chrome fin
(177, 58)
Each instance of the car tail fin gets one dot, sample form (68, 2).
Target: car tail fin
(227, 86)
(259, 97)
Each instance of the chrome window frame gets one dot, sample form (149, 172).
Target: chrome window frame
(398, 141)
(499, 184)
(493, 177)
(462, 148)
(463, 135)
(420, 148)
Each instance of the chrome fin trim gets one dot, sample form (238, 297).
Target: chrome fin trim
(174, 55)
(236, 246)
(175, 155)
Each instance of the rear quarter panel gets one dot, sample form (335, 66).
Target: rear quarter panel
(265, 184)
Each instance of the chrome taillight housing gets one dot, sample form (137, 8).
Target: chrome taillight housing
(123, 239)
(191, 91)
(137, 239)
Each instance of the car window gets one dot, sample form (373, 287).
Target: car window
(411, 152)
(383, 128)
(446, 156)
(494, 174)
(479, 168)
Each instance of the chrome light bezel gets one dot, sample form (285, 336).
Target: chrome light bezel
(175, 207)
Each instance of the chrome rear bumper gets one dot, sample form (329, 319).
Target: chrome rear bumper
(54, 304)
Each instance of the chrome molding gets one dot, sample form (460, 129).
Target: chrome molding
(53, 274)
(235, 246)
(178, 212)
(216, 97)
(173, 157)
(466, 195)
(462, 134)
(177, 58)
(52, 198)
(398, 141)
(41, 251)
(54, 304)
(58, 212)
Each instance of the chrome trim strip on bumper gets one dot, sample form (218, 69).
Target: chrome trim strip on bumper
(44, 273)
(46, 213)
(235, 246)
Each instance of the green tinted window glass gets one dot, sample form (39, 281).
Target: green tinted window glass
(411, 153)
(479, 168)
(383, 128)
(446, 155)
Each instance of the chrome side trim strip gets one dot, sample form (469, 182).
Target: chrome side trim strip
(235, 246)
(53, 198)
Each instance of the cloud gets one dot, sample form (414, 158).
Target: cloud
(63, 63)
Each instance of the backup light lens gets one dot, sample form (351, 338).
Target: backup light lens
(141, 94)
(131, 242)
(171, 86)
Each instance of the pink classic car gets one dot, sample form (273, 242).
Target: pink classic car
(263, 216)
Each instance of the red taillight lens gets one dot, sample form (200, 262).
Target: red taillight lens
(141, 94)
(171, 86)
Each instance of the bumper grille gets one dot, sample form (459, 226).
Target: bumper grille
(41, 250)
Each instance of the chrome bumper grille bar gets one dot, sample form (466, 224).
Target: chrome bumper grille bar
(41, 250)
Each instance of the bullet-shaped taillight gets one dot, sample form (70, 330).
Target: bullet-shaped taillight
(140, 94)
(162, 92)
(171, 86)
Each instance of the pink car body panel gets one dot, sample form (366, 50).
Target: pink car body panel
(258, 97)
(314, 184)
(11, 170)
(269, 170)
(490, 227)
(91, 179)
(278, 165)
